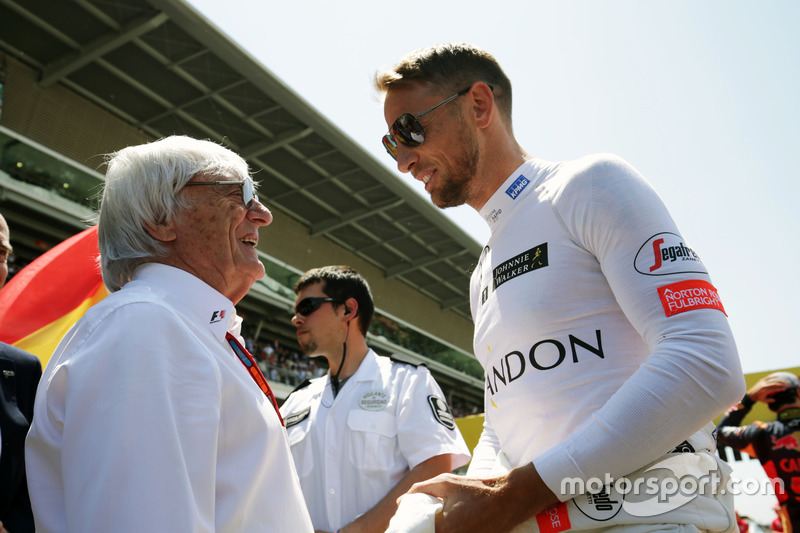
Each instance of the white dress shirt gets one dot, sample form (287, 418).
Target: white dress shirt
(145, 420)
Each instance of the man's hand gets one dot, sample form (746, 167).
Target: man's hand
(480, 505)
(766, 387)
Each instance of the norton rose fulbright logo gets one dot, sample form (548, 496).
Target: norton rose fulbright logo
(688, 295)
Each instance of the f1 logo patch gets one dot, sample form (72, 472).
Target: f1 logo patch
(441, 412)
(216, 316)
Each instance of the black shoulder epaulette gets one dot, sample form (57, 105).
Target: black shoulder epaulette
(306, 382)
(401, 362)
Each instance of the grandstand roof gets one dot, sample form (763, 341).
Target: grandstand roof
(162, 67)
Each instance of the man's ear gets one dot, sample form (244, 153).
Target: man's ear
(164, 232)
(351, 308)
(483, 104)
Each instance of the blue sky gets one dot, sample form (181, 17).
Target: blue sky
(700, 96)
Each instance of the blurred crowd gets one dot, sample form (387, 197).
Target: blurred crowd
(282, 364)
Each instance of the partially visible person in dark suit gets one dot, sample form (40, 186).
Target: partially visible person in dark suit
(19, 377)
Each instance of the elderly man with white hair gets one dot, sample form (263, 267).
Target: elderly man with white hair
(151, 416)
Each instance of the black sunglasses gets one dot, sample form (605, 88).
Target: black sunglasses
(306, 306)
(407, 129)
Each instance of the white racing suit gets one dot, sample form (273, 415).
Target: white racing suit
(683, 491)
(603, 341)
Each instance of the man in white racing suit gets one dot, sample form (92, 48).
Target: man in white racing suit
(606, 348)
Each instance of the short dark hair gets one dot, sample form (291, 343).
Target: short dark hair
(449, 67)
(342, 282)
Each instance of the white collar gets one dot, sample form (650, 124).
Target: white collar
(190, 294)
(518, 185)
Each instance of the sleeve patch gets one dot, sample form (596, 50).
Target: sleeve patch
(665, 253)
(441, 412)
(555, 519)
(296, 418)
(689, 295)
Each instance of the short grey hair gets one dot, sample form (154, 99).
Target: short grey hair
(141, 187)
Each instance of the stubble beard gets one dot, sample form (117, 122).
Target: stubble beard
(309, 347)
(456, 185)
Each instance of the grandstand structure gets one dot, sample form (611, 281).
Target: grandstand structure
(84, 78)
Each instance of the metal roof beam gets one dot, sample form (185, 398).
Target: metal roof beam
(260, 148)
(293, 189)
(391, 242)
(322, 154)
(191, 57)
(369, 258)
(188, 103)
(99, 47)
(326, 226)
(440, 280)
(37, 21)
(452, 302)
(405, 268)
(176, 68)
(161, 101)
(97, 13)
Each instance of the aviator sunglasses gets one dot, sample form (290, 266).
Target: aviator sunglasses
(407, 129)
(248, 189)
(306, 306)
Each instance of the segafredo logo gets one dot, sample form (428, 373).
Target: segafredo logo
(666, 253)
(602, 505)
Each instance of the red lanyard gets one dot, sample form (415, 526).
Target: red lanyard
(252, 368)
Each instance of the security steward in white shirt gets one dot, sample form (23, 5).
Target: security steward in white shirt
(371, 427)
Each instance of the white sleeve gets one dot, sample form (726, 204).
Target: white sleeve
(692, 373)
(485, 455)
(425, 425)
(136, 408)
